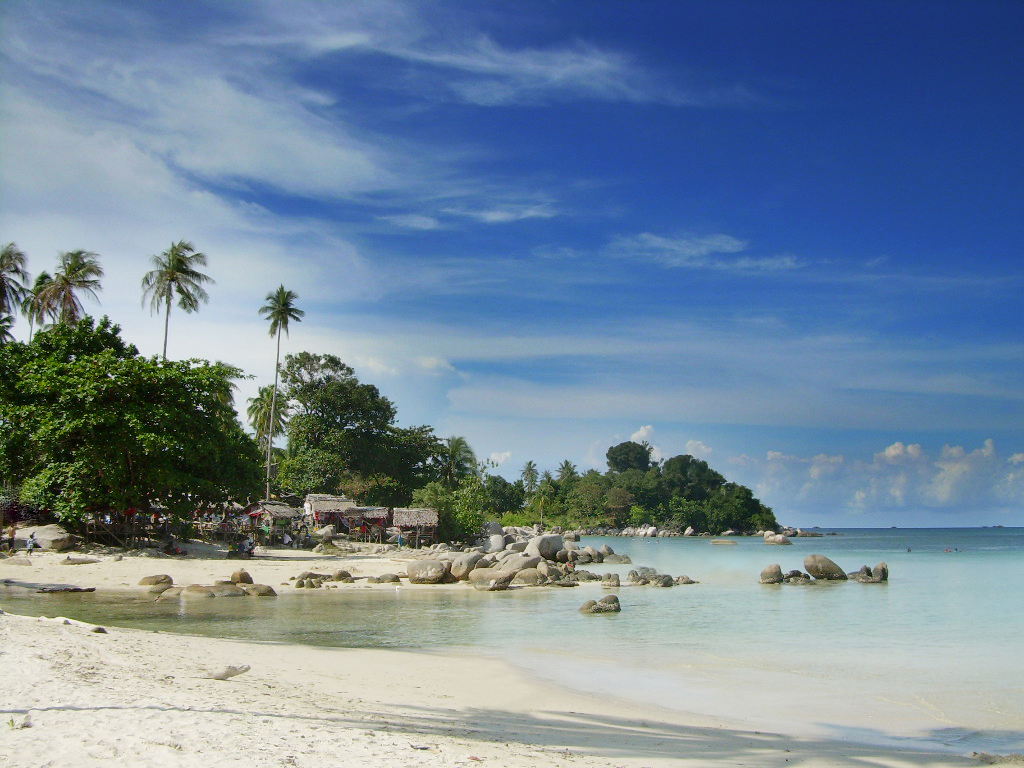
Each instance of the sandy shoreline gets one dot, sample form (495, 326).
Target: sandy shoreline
(146, 698)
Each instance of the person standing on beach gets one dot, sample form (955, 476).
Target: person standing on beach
(10, 538)
(31, 543)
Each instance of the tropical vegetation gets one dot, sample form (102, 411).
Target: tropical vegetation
(87, 424)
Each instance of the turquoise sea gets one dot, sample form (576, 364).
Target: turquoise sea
(935, 656)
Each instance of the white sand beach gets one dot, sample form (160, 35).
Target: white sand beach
(71, 696)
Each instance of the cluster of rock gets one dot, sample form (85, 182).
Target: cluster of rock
(609, 604)
(644, 576)
(511, 557)
(313, 580)
(239, 585)
(820, 568)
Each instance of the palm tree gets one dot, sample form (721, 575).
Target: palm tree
(6, 323)
(530, 477)
(176, 273)
(31, 306)
(566, 470)
(76, 271)
(12, 279)
(260, 415)
(280, 309)
(457, 461)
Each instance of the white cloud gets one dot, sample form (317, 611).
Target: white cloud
(698, 448)
(499, 458)
(506, 214)
(903, 476)
(413, 221)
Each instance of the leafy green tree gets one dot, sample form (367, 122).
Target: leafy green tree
(13, 279)
(77, 272)
(333, 412)
(175, 273)
(503, 497)
(629, 455)
(87, 424)
(280, 310)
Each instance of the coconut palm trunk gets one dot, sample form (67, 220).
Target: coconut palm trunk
(273, 405)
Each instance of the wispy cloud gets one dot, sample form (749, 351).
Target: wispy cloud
(696, 252)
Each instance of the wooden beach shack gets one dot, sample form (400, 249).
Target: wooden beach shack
(416, 525)
(325, 509)
(365, 523)
(271, 520)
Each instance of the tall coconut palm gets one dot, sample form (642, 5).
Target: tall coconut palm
(13, 279)
(31, 306)
(175, 273)
(77, 271)
(280, 309)
(457, 461)
(566, 470)
(530, 477)
(261, 417)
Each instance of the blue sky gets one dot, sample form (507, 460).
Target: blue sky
(784, 237)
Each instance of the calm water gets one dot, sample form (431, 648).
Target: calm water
(934, 655)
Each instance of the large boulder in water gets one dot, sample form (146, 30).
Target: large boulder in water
(608, 604)
(545, 546)
(772, 574)
(820, 567)
(259, 590)
(490, 579)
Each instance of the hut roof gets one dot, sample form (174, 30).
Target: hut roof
(323, 502)
(415, 516)
(367, 513)
(275, 509)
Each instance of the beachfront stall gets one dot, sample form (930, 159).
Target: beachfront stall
(324, 509)
(416, 525)
(271, 520)
(365, 523)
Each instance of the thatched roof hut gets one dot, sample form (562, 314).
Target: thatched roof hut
(326, 508)
(412, 517)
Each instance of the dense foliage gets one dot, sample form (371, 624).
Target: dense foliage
(678, 493)
(87, 424)
(342, 436)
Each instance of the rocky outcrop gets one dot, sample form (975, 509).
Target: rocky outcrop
(608, 604)
(241, 577)
(545, 546)
(820, 567)
(776, 538)
(490, 580)
(876, 575)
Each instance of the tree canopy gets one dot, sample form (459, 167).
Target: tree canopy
(89, 425)
(343, 437)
